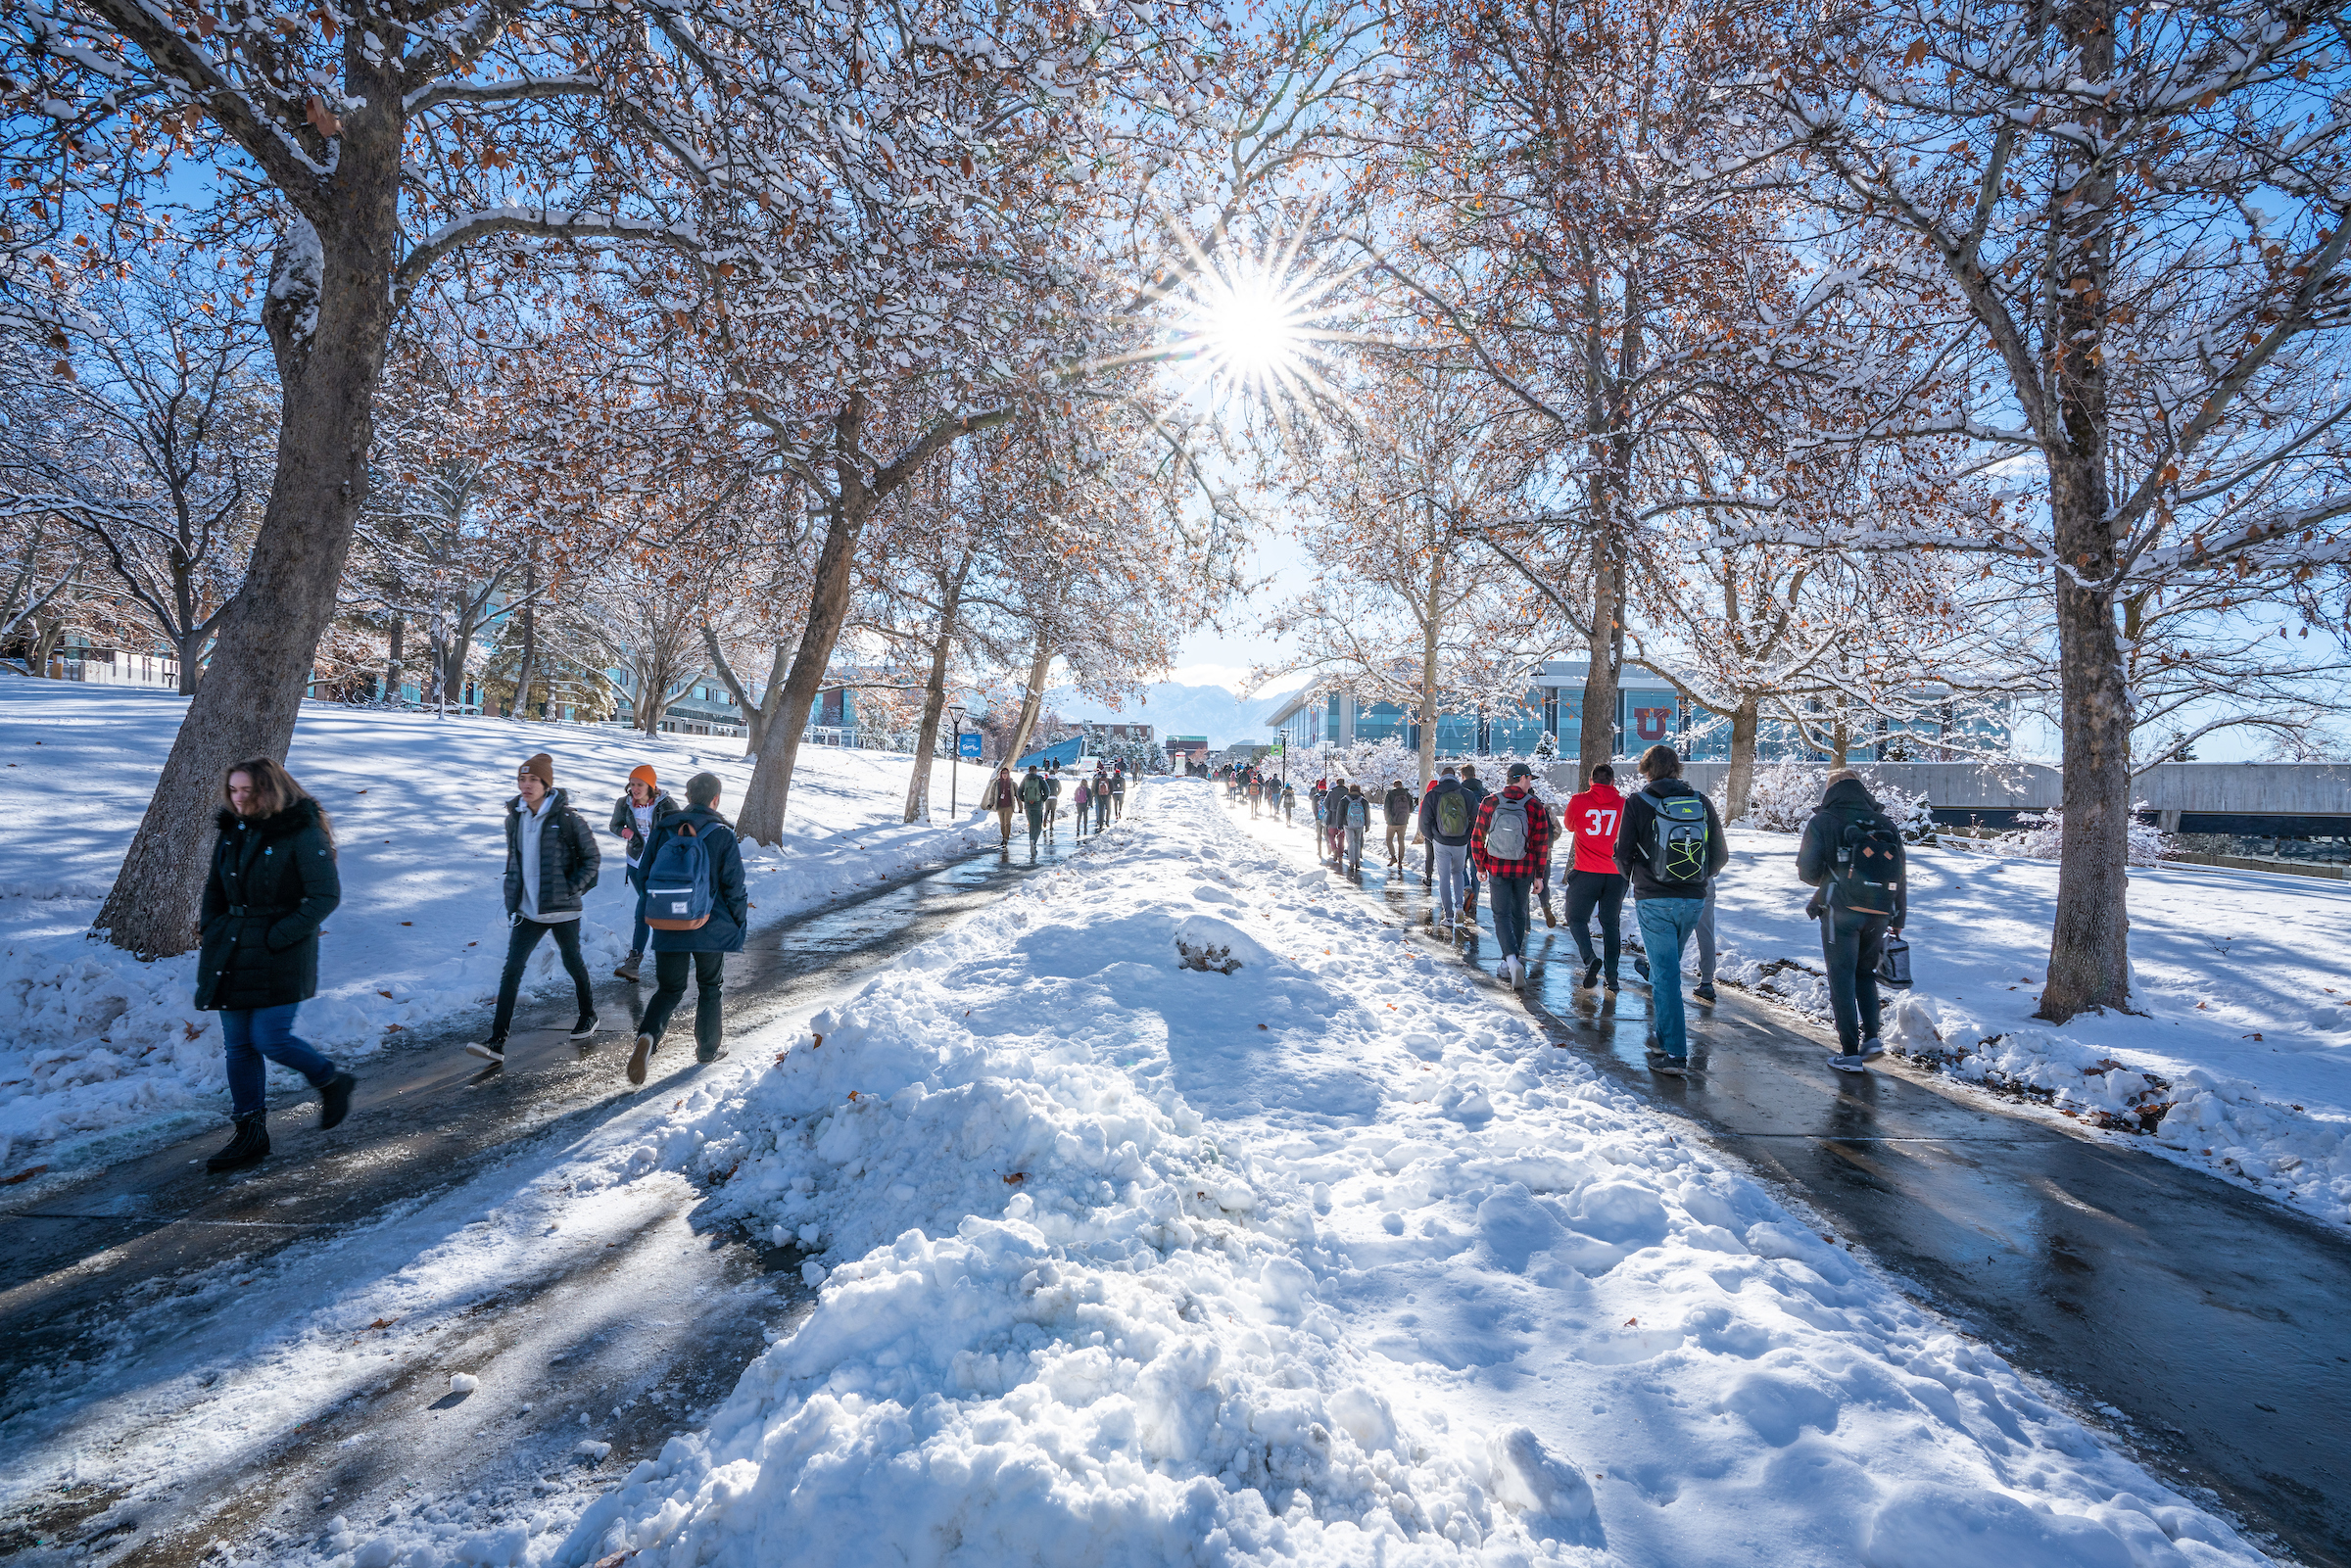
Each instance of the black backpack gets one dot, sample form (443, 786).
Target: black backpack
(1868, 870)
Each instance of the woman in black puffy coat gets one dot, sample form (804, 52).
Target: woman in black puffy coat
(272, 882)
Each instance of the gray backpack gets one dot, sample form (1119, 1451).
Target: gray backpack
(1505, 835)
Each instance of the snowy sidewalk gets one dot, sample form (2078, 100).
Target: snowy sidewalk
(1181, 1210)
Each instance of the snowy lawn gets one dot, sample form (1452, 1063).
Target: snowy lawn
(93, 1043)
(2244, 979)
(1179, 1211)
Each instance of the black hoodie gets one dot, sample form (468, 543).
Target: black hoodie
(1846, 805)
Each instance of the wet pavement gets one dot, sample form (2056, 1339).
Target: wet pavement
(2203, 1325)
(644, 1338)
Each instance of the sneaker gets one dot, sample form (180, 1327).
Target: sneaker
(1641, 965)
(1670, 1066)
(1592, 977)
(1872, 1048)
(706, 1060)
(1549, 918)
(1847, 1061)
(645, 1048)
(628, 967)
(1518, 974)
(1613, 985)
(1704, 992)
(585, 1027)
(249, 1147)
(493, 1049)
(334, 1100)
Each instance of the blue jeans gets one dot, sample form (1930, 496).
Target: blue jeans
(1510, 894)
(1665, 928)
(255, 1032)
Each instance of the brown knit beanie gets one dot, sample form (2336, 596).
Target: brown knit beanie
(544, 767)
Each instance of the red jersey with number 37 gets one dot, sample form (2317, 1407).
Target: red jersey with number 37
(1594, 818)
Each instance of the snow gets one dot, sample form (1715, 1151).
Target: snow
(2239, 976)
(97, 1048)
(1326, 1257)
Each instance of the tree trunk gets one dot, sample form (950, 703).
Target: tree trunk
(935, 697)
(328, 314)
(1428, 671)
(529, 667)
(758, 716)
(1740, 787)
(1032, 702)
(1596, 733)
(2090, 964)
(761, 819)
(49, 631)
(392, 661)
(189, 651)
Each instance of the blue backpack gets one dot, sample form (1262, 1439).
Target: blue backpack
(676, 885)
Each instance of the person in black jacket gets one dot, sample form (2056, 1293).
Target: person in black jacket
(1667, 909)
(635, 815)
(552, 862)
(704, 948)
(1475, 790)
(272, 882)
(1854, 912)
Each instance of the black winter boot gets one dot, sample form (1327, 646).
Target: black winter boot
(249, 1148)
(334, 1102)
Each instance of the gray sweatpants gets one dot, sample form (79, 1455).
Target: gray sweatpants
(1453, 863)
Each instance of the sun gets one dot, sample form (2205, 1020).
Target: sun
(1250, 329)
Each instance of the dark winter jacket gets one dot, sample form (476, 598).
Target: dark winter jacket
(730, 897)
(1846, 804)
(1538, 835)
(1428, 812)
(273, 882)
(1632, 841)
(624, 815)
(568, 860)
(1398, 803)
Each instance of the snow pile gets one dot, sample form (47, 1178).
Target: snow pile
(1324, 1259)
(94, 1042)
(2237, 1063)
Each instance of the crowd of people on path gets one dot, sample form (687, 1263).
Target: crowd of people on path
(272, 882)
(1099, 800)
(1664, 844)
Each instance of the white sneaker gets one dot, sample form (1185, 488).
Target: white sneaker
(1872, 1048)
(1847, 1064)
(1518, 974)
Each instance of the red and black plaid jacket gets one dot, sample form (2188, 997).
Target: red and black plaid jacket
(1538, 835)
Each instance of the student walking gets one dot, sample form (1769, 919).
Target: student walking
(273, 882)
(1289, 803)
(1396, 805)
(1083, 797)
(1102, 799)
(1118, 791)
(635, 815)
(1511, 845)
(1853, 853)
(1670, 846)
(1033, 802)
(1358, 822)
(552, 862)
(1001, 796)
(1052, 800)
(1445, 818)
(1594, 883)
(1476, 791)
(696, 901)
(1335, 830)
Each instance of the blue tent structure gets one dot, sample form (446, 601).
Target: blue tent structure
(1064, 752)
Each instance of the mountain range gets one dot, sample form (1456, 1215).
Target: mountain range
(1171, 708)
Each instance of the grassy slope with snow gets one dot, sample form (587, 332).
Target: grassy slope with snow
(1328, 1259)
(92, 1042)
(2241, 978)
